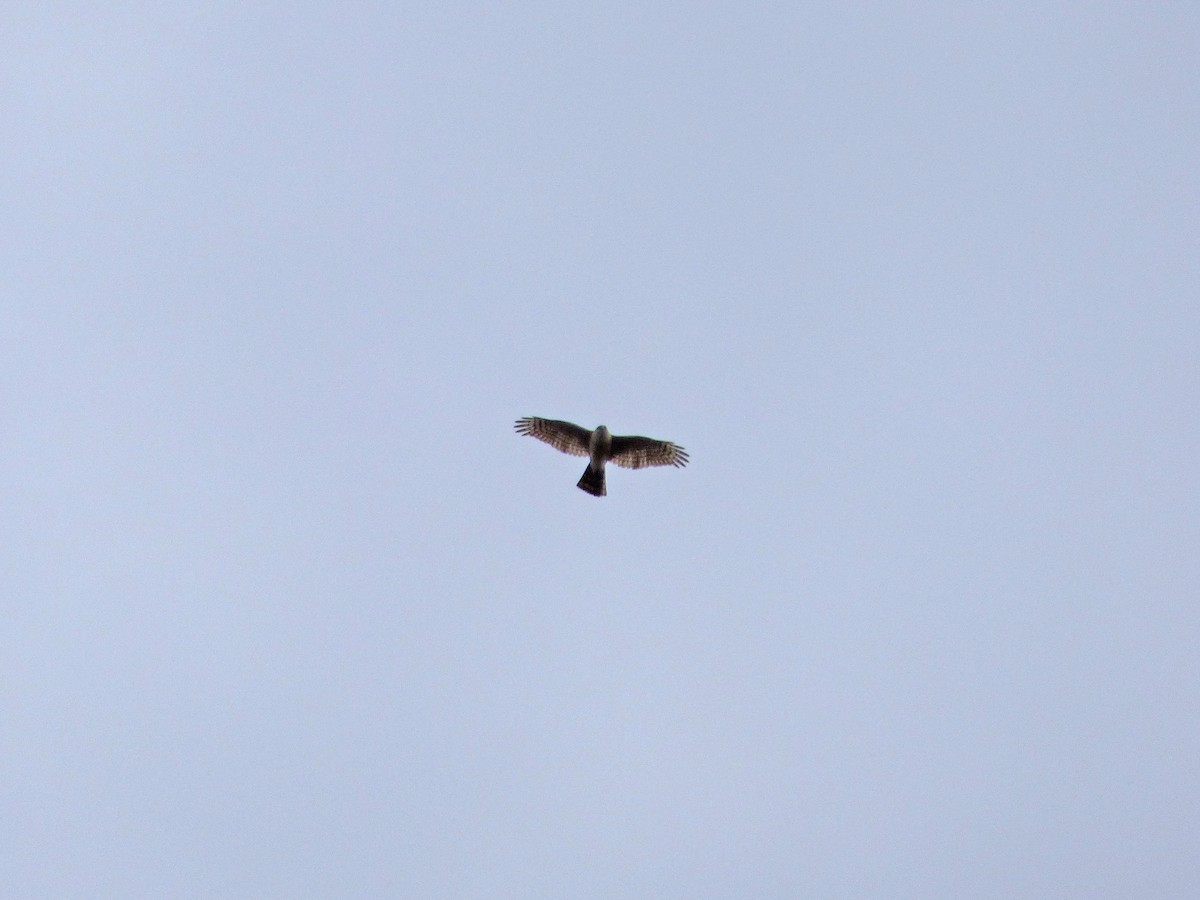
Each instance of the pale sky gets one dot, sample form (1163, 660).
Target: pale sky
(290, 611)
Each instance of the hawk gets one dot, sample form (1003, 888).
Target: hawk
(631, 452)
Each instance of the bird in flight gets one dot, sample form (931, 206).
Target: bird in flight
(631, 452)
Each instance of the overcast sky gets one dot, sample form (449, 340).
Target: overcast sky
(289, 610)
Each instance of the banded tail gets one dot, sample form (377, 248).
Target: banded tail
(593, 482)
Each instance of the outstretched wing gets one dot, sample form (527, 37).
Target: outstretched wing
(639, 452)
(564, 436)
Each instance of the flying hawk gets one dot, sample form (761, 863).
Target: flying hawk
(627, 451)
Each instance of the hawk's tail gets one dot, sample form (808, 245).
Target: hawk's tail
(593, 482)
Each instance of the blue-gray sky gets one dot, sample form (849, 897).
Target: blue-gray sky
(290, 611)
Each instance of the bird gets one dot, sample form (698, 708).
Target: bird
(628, 451)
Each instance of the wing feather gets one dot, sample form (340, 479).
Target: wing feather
(635, 452)
(565, 436)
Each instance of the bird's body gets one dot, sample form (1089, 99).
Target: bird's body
(599, 449)
(600, 446)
